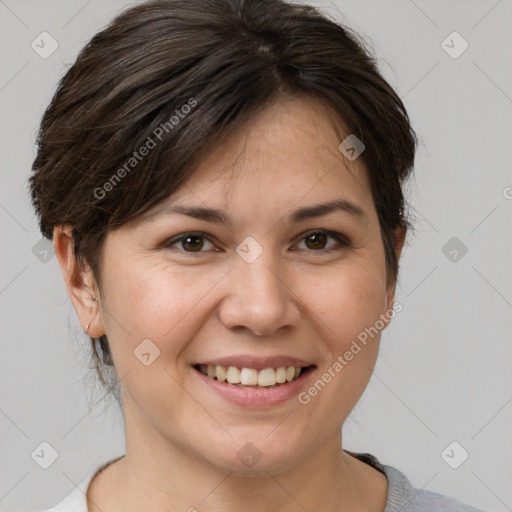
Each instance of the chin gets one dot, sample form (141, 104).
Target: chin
(255, 458)
(262, 468)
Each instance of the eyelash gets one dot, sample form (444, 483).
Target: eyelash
(341, 239)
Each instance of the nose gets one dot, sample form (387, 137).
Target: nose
(260, 298)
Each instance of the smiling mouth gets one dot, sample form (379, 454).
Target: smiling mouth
(251, 378)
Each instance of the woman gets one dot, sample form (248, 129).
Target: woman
(222, 181)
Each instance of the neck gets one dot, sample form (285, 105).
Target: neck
(330, 480)
(161, 476)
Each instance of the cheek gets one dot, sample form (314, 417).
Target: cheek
(155, 301)
(349, 304)
(148, 302)
(345, 305)
(348, 300)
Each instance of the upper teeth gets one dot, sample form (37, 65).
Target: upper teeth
(251, 376)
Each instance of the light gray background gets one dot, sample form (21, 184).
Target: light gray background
(444, 370)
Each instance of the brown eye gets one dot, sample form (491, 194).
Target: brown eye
(190, 242)
(315, 240)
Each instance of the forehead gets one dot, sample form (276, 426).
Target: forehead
(284, 159)
(293, 144)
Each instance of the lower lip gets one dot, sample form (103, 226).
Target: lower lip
(256, 397)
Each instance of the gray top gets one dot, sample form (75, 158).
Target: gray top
(402, 496)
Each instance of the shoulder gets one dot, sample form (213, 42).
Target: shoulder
(76, 500)
(403, 497)
(406, 498)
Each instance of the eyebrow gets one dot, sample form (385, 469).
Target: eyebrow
(299, 215)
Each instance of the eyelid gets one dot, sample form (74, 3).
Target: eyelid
(178, 238)
(339, 237)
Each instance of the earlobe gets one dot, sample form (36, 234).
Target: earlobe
(80, 283)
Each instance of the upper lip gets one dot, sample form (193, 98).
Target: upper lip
(258, 363)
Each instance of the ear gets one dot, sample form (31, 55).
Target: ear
(80, 283)
(400, 240)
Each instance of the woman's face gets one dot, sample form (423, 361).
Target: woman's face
(261, 288)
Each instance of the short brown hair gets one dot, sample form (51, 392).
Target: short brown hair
(224, 60)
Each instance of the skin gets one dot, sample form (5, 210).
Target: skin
(296, 299)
